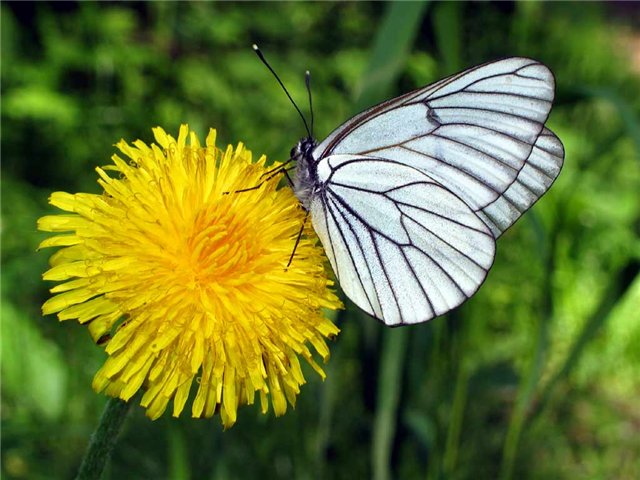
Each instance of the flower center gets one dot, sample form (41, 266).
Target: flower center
(219, 249)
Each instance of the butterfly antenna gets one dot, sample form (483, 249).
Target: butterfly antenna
(264, 60)
(307, 81)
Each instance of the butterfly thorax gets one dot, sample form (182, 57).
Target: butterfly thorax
(305, 182)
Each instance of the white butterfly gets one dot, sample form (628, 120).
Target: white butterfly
(409, 197)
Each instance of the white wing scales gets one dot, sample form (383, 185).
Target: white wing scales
(425, 253)
(472, 132)
(412, 193)
(535, 178)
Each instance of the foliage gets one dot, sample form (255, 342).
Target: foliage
(536, 377)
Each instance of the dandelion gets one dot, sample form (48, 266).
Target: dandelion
(182, 279)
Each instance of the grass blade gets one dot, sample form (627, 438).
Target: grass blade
(389, 386)
(390, 49)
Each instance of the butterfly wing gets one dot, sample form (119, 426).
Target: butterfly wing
(536, 177)
(472, 132)
(404, 248)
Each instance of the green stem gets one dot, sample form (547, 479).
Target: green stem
(103, 440)
(455, 423)
(530, 383)
(389, 387)
(526, 394)
(447, 26)
(392, 44)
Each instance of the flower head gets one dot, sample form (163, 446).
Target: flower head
(184, 278)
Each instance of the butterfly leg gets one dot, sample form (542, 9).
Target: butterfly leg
(286, 173)
(269, 175)
(295, 246)
(276, 170)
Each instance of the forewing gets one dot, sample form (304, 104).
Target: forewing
(471, 132)
(536, 177)
(403, 247)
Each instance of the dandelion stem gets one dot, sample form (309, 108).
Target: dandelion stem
(103, 440)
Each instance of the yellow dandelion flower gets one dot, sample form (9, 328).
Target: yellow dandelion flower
(181, 281)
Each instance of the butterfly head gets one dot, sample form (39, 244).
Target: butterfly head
(303, 149)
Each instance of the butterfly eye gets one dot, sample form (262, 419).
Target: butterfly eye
(293, 152)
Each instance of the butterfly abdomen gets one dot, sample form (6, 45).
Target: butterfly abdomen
(305, 182)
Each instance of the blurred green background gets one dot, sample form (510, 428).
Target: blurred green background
(538, 376)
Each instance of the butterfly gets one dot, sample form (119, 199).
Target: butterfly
(409, 197)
